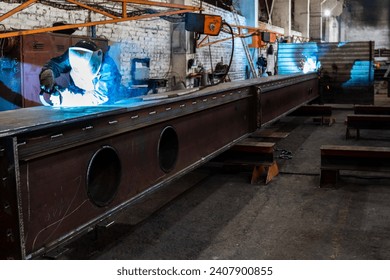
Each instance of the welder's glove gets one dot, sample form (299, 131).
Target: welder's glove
(55, 99)
(46, 79)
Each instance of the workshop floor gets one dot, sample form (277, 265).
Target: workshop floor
(214, 214)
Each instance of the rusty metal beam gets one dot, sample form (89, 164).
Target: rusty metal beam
(226, 113)
(158, 4)
(182, 9)
(91, 8)
(17, 9)
(201, 44)
(124, 9)
(239, 34)
(358, 158)
(87, 24)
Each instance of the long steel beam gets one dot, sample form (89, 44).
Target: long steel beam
(64, 170)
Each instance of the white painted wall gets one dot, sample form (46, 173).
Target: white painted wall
(367, 20)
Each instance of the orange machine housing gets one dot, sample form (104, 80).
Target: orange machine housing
(260, 39)
(203, 24)
(212, 25)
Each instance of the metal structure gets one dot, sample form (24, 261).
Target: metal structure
(65, 170)
(241, 31)
(346, 69)
(176, 9)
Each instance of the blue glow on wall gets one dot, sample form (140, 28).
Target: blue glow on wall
(359, 75)
(298, 58)
(342, 44)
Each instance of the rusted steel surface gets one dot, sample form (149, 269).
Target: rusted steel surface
(368, 121)
(371, 110)
(176, 9)
(252, 146)
(355, 151)
(346, 68)
(277, 103)
(75, 167)
(358, 158)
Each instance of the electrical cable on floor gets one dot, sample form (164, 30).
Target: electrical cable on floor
(298, 173)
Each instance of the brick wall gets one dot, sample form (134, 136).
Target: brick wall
(221, 51)
(132, 39)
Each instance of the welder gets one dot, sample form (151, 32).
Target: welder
(94, 77)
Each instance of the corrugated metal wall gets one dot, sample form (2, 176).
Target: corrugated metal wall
(291, 57)
(346, 71)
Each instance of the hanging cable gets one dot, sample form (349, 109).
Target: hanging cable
(224, 23)
(211, 62)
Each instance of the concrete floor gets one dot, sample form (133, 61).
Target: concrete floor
(214, 214)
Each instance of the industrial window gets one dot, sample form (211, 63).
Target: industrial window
(224, 4)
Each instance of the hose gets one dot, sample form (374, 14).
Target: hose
(231, 55)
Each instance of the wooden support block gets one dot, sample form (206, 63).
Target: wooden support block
(257, 173)
(249, 152)
(270, 171)
(273, 170)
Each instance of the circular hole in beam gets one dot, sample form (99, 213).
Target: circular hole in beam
(168, 149)
(103, 176)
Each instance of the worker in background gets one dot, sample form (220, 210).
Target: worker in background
(262, 66)
(94, 77)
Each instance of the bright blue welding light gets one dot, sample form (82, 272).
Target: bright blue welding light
(311, 65)
(298, 58)
(96, 75)
(67, 98)
(361, 74)
(342, 44)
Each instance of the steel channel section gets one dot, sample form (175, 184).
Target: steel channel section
(10, 226)
(276, 103)
(48, 180)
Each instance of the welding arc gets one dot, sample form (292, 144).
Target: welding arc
(56, 91)
(43, 100)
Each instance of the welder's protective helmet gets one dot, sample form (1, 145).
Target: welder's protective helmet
(86, 58)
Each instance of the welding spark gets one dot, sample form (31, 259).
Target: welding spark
(67, 98)
(310, 65)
